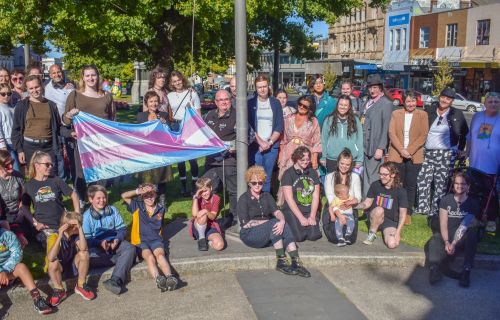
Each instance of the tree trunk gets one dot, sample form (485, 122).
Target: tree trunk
(276, 68)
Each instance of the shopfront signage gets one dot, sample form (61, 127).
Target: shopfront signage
(417, 68)
(399, 19)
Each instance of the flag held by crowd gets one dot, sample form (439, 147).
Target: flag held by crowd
(109, 149)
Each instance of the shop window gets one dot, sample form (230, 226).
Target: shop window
(424, 37)
(403, 39)
(483, 32)
(397, 39)
(391, 40)
(451, 35)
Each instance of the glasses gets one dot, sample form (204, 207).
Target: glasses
(160, 76)
(440, 120)
(20, 79)
(257, 183)
(149, 195)
(382, 174)
(47, 164)
(223, 100)
(5, 94)
(305, 159)
(304, 105)
(9, 163)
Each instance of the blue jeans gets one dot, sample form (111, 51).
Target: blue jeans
(13, 155)
(266, 159)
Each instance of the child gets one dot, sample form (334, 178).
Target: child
(147, 225)
(69, 255)
(342, 217)
(204, 211)
(105, 231)
(12, 268)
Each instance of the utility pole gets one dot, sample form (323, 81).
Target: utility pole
(26, 56)
(240, 25)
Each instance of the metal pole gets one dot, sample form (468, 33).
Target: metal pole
(240, 25)
(26, 56)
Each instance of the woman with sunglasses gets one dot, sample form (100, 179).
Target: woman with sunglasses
(6, 121)
(181, 97)
(92, 99)
(262, 224)
(46, 193)
(341, 130)
(17, 85)
(158, 84)
(325, 104)
(301, 129)
(301, 190)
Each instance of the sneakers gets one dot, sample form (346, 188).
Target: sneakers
(202, 244)
(57, 296)
(370, 238)
(85, 291)
(171, 283)
(341, 242)
(434, 275)
(113, 285)
(464, 280)
(348, 239)
(299, 268)
(491, 226)
(42, 306)
(283, 265)
(161, 283)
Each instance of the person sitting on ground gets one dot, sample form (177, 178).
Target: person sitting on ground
(46, 193)
(300, 185)
(456, 213)
(105, 232)
(342, 217)
(69, 257)
(11, 268)
(388, 204)
(262, 223)
(147, 228)
(205, 209)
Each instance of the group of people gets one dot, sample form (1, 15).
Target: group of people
(364, 155)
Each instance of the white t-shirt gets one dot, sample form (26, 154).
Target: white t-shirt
(406, 130)
(178, 108)
(439, 135)
(484, 138)
(6, 120)
(264, 119)
(58, 95)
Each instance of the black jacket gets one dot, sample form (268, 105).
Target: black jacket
(457, 123)
(19, 122)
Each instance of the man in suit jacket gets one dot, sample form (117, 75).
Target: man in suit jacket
(375, 118)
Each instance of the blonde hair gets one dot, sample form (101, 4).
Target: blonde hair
(71, 215)
(37, 156)
(203, 182)
(255, 171)
(340, 188)
(5, 85)
(81, 83)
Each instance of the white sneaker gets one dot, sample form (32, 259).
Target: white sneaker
(370, 238)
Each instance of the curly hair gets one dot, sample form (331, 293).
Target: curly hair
(154, 75)
(393, 170)
(179, 75)
(257, 171)
(351, 118)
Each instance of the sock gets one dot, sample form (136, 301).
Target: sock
(201, 230)
(293, 254)
(81, 282)
(35, 294)
(280, 252)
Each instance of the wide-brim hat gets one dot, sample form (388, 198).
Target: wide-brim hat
(448, 92)
(374, 80)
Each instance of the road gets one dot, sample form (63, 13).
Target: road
(360, 292)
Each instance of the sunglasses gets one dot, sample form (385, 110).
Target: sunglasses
(17, 79)
(257, 183)
(304, 105)
(160, 76)
(5, 94)
(47, 164)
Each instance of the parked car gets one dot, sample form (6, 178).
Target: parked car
(207, 100)
(302, 90)
(468, 105)
(397, 94)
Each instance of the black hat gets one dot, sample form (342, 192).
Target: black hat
(374, 80)
(448, 92)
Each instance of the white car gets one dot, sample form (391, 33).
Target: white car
(467, 105)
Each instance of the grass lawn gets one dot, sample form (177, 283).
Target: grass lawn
(415, 235)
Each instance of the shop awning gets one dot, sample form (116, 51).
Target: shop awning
(365, 67)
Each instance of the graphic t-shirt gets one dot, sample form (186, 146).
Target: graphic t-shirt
(484, 138)
(389, 199)
(11, 189)
(46, 197)
(456, 211)
(302, 184)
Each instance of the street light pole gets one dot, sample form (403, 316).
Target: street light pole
(240, 25)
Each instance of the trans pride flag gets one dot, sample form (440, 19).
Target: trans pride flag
(109, 149)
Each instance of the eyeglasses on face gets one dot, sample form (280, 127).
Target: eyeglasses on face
(257, 183)
(222, 100)
(161, 76)
(5, 94)
(47, 164)
(305, 159)
(384, 174)
(20, 79)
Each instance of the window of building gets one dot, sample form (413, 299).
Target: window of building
(451, 35)
(424, 37)
(403, 39)
(397, 39)
(391, 40)
(483, 32)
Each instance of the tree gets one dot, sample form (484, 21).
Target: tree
(443, 77)
(330, 77)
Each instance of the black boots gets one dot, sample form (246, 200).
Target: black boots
(283, 265)
(299, 268)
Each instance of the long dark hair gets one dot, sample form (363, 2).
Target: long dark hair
(152, 78)
(344, 154)
(351, 119)
(312, 81)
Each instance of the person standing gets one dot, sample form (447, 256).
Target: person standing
(346, 89)
(18, 86)
(446, 140)
(6, 121)
(265, 117)
(375, 117)
(91, 99)
(282, 97)
(36, 124)
(325, 104)
(483, 149)
(407, 132)
(158, 84)
(181, 97)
